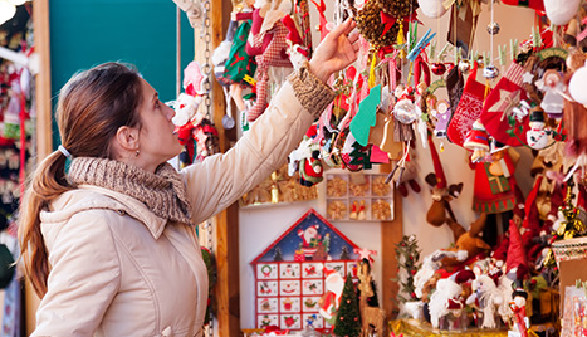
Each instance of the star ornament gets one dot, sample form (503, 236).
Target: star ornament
(507, 101)
(527, 78)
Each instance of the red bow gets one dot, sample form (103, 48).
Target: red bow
(389, 20)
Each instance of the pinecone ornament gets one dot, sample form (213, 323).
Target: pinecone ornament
(398, 8)
(370, 25)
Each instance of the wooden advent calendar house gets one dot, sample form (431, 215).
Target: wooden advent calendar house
(290, 274)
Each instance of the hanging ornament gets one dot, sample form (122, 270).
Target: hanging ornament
(370, 24)
(438, 68)
(537, 136)
(477, 141)
(493, 28)
(578, 84)
(490, 72)
(560, 12)
(432, 8)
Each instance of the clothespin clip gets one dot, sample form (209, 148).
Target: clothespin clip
(421, 45)
(443, 51)
(536, 39)
(502, 51)
(432, 53)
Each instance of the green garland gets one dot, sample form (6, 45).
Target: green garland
(408, 255)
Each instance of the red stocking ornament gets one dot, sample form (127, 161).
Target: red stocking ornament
(468, 110)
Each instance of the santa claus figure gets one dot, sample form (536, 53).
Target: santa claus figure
(331, 300)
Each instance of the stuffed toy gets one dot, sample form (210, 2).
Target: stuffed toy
(268, 43)
(192, 8)
(560, 12)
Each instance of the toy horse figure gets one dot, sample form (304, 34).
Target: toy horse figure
(489, 298)
(369, 315)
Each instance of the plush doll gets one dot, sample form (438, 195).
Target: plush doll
(518, 307)
(192, 8)
(269, 45)
(552, 86)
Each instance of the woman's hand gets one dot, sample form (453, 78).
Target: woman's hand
(338, 49)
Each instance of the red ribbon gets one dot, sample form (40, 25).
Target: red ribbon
(421, 66)
(389, 20)
(22, 116)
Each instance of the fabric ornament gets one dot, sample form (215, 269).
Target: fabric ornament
(239, 63)
(499, 108)
(560, 12)
(495, 184)
(274, 55)
(468, 111)
(516, 257)
(455, 84)
(477, 141)
(432, 8)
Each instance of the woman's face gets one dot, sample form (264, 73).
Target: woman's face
(158, 142)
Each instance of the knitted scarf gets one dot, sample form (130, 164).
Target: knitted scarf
(163, 192)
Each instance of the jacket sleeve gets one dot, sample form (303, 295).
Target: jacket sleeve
(84, 277)
(220, 180)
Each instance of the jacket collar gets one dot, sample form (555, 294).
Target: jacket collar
(94, 197)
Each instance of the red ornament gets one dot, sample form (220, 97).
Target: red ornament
(413, 295)
(438, 68)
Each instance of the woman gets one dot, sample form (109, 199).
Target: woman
(110, 248)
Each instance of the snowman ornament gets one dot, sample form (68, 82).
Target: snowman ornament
(537, 137)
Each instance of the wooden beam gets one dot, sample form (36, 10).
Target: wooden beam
(227, 250)
(44, 124)
(391, 234)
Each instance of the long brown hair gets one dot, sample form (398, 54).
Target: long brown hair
(92, 105)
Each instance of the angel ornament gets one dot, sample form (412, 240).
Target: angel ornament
(552, 86)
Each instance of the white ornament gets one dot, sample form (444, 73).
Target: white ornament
(537, 138)
(560, 12)
(578, 84)
(432, 8)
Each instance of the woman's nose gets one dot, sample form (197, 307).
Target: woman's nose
(170, 113)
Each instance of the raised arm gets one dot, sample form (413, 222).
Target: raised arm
(220, 180)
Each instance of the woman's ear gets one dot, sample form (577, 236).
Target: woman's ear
(127, 138)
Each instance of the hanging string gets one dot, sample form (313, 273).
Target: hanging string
(491, 33)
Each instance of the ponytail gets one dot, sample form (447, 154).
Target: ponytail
(48, 183)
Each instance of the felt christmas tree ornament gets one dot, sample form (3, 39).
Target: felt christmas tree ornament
(560, 12)
(432, 8)
(469, 109)
(499, 106)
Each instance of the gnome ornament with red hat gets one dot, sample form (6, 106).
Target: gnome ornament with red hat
(517, 265)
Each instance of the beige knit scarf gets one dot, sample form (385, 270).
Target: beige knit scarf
(163, 192)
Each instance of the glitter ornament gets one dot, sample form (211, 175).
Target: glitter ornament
(490, 72)
(493, 28)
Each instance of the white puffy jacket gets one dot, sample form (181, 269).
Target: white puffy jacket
(119, 270)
